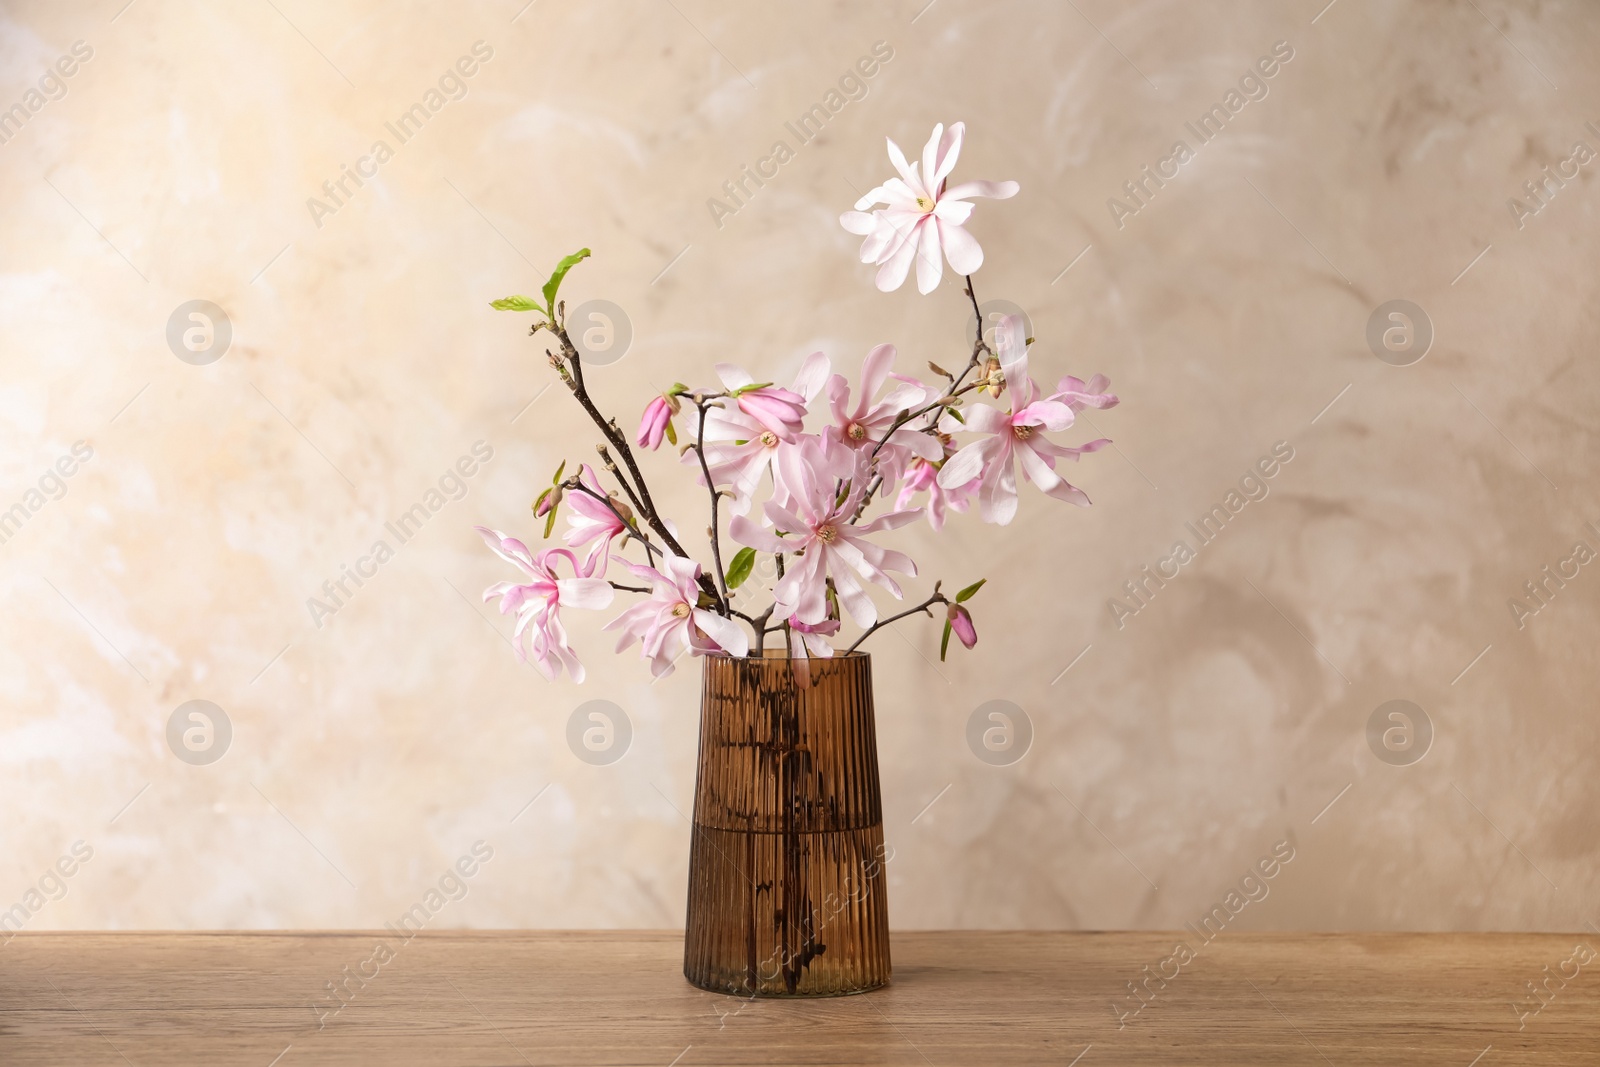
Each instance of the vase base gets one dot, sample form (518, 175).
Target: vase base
(742, 990)
(787, 915)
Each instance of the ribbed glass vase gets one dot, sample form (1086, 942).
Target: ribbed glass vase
(786, 865)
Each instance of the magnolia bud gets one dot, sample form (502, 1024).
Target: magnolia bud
(961, 624)
(548, 501)
(993, 375)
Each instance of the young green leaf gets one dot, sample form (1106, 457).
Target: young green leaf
(672, 435)
(516, 303)
(944, 642)
(554, 284)
(550, 524)
(966, 594)
(739, 569)
(559, 470)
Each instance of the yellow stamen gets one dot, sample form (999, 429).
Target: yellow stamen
(827, 534)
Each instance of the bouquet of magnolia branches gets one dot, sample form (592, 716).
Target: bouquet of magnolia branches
(888, 437)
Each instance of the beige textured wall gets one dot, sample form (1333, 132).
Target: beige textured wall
(1230, 312)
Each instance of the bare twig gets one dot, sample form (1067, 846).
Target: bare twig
(976, 314)
(711, 486)
(935, 597)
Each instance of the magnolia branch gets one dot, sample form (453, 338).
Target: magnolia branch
(614, 435)
(956, 389)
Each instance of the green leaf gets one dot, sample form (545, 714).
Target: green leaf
(752, 387)
(542, 495)
(944, 642)
(554, 284)
(550, 523)
(672, 435)
(557, 479)
(743, 562)
(516, 303)
(966, 594)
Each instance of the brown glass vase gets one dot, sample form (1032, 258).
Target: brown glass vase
(786, 864)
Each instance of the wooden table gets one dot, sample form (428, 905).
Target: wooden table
(491, 998)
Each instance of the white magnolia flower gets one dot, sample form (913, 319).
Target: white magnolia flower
(921, 218)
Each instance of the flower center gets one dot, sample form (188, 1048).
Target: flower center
(768, 438)
(681, 610)
(1022, 432)
(924, 204)
(856, 432)
(827, 533)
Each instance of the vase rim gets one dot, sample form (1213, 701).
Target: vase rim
(782, 655)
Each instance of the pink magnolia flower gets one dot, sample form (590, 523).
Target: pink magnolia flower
(1015, 436)
(657, 421)
(865, 425)
(741, 441)
(922, 475)
(669, 622)
(591, 520)
(819, 525)
(920, 217)
(961, 625)
(537, 603)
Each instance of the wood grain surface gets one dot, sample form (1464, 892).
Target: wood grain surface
(985, 998)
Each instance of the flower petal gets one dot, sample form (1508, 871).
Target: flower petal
(874, 369)
(930, 158)
(748, 533)
(733, 376)
(949, 152)
(591, 593)
(997, 496)
(992, 190)
(907, 171)
(892, 274)
(858, 222)
(1051, 414)
(930, 264)
(856, 603)
(813, 372)
(960, 248)
(891, 521)
(966, 464)
(729, 635)
(981, 418)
